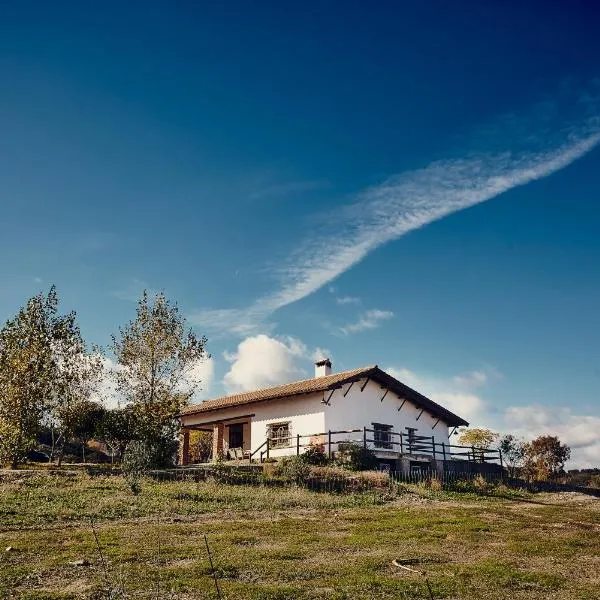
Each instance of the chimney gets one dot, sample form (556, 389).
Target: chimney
(323, 368)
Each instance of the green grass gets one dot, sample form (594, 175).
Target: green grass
(290, 543)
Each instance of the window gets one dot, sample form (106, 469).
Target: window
(279, 435)
(382, 436)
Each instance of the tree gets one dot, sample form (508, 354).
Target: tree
(545, 457)
(88, 418)
(76, 385)
(158, 365)
(513, 453)
(117, 429)
(28, 371)
(201, 445)
(478, 438)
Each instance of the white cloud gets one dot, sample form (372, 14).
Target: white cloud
(320, 353)
(414, 199)
(262, 361)
(368, 320)
(471, 380)
(107, 390)
(446, 392)
(580, 432)
(347, 300)
(201, 373)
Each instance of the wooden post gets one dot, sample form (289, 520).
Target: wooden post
(501, 463)
(185, 450)
(444, 451)
(474, 456)
(268, 446)
(401, 444)
(297, 444)
(329, 444)
(365, 438)
(433, 445)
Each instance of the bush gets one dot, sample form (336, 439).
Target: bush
(315, 455)
(293, 468)
(136, 463)
(355, 457)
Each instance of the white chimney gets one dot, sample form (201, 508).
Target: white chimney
(323, 368)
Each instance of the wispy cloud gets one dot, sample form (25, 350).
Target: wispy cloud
(368, 320)
(411, 200)
(132, 291)
(347, 300)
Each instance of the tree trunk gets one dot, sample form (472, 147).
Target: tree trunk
(52, 447)
(60, 456)
(83, 451)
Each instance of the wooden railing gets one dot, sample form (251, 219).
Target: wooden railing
(379, 441)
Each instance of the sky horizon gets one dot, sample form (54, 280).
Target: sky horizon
(413, 186)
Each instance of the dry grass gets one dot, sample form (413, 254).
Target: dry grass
(271, 544)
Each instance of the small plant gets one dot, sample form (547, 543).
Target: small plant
(355, 457)
(293, 468)
(315, 455)
(136, 462)
(435, 484)
(480, 483)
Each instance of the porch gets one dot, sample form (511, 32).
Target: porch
(400, 451)
(231, 440)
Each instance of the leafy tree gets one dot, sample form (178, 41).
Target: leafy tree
(513, 453)
(137, 460)
(158, 362)
(478, 438)
(117, 429)
(74, 414)
(28, 372)
(545, 457)
(88, 418)
(201, 444)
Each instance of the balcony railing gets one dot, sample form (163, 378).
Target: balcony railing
(383, 441)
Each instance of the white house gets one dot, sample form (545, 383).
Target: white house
(365, 405)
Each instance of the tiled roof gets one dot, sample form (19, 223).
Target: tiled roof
(306, 386)
(328, 382)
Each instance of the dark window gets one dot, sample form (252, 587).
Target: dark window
(236, 435)
(382, 436)
(279, 435)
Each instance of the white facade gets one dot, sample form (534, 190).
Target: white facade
(365, 403)
(363, 408)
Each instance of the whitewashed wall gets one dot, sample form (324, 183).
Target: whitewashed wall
(359, 409)
(308, 415)
(305, 414)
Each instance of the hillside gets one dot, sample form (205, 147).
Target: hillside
(273, 544)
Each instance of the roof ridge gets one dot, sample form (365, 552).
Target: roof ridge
(191, 407)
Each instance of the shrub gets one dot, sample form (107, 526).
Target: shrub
(136, 463)
(435, 485)
(293, 468)
(315, 455)
(480, 483)
(355, 457)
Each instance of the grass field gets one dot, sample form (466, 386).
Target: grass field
(273, 544)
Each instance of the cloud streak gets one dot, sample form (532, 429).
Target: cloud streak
(368, 320)
(407, 202)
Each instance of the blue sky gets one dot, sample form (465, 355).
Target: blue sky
(414, 185)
